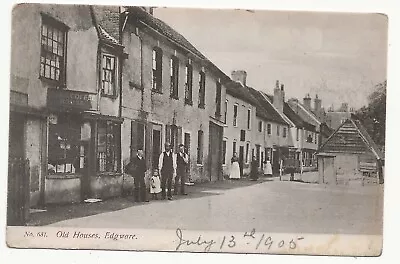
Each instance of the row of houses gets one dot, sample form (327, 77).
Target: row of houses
(95, 83)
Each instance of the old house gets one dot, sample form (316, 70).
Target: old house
(350, 156)
(171, 93)
(65, 101)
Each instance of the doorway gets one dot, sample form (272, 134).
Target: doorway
(241, 159)
(215, 151)
(83, 170)
(156, 139)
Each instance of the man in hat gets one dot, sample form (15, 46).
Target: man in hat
(167, 169)
(182, 161)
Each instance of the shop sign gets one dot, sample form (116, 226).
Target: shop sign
(68, 99)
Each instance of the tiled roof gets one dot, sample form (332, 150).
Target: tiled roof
(107, 23)
(238, 91)
(265, 108)
(351, 137)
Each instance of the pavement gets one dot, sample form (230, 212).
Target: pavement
(269, 205)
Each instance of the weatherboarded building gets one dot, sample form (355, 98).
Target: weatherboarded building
(350, 156)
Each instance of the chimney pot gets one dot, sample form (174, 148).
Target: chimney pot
(239, 76)
(277, 84)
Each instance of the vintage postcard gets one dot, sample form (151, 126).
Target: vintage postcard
(196, 130)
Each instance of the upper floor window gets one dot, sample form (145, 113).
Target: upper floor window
(189, 84)
(248, 118)
(202, 89)
(218, 99)
(156, 81)
(174, 75)
(269, 129)
(226, 110)
(200, 142)
(260, 125)
(315, 138)
(277, 130)
(53, 47)
(235, 114)
(284, 132)
(108, 75)
(297, 134)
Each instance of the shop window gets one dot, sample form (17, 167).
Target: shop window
(53, 47)
(108, 75)
(64, 154)
(108, 147)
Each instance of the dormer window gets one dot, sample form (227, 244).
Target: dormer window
(108, 75)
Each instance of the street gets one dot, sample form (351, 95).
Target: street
(270, 206)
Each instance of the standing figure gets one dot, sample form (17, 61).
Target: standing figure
(235, 168)
(254, 169)
(182, 161)
(137, 168)
(167, 167)
(155, 185)
(268, 168)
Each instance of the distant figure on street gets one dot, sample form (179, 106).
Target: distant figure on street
(137, 168)
(254, 169)
(235, 168)
(167, 167)
(182, 161)
(155, 185)
(268, 168)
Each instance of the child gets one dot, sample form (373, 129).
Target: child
(155, 185)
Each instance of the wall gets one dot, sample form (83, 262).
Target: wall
(63, 190)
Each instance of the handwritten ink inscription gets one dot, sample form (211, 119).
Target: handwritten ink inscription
(256, 241)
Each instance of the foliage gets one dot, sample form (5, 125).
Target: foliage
(373, 116)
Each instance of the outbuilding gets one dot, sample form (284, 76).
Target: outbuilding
(350, 156)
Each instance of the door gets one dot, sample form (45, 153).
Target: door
(156, 150)
(83, 170)
(241, 159)
(215, 152)
(186, 143)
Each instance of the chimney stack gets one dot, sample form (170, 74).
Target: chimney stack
(307, 101)
(239, 76)
(317, 104)
(279, 97)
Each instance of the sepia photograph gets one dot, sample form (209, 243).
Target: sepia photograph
(196, 130)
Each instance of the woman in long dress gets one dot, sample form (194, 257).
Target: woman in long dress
(268, 168)
(235, 168)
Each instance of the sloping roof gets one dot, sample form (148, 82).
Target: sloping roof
(350, 137)
(308, 115)
(238, 91)
(107, 19)
(265, 108)
(326, 130)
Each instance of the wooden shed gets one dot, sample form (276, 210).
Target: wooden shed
(350, 156)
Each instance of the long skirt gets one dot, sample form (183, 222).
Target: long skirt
(235, 171)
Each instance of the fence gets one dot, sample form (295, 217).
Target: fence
(18, 191)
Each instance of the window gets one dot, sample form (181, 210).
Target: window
(224, 152)
(235, 114)
(233, 147)
(248, 118)
(284, 132)
(297, 134)
(242, 135)
(247, 152)
(108, 147)
(269, 129)
(226, 111)
(315, 138)
(52, 53)
(156, 81)
(277, 130)
(309, 137)
(218, 100)
(108, 75)
(260, 125)
(174, 76)
(202, 89)
(188, 84)
(65, 146)
(172, 135)
(200, 147)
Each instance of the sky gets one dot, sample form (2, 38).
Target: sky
(339, 56)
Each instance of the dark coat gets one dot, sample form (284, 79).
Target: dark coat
(137, 167)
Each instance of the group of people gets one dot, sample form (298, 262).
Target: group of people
(235, 170)
(171, 166)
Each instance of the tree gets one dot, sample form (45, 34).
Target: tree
(373, 116)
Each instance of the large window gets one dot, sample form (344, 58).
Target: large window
(52, 54)
(108, 146)
(235, 114)
(174, 75)
(202, 89)
(108, 75)
(200, 138)
(218, 100)
(65, 148)
(189, 84)
(248, 118)
(156, 81)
